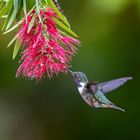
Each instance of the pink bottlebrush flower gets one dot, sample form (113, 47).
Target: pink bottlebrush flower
(45, 50)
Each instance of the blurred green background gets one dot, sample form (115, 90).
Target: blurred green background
(109, 31)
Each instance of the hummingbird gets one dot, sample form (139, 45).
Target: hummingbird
(93, 92)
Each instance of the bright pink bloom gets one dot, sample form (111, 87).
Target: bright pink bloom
(45, 50)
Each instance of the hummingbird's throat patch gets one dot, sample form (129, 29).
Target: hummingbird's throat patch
(81, 87)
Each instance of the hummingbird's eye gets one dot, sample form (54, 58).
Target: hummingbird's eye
(76, 75)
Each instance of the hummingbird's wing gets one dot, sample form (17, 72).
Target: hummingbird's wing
(113, 84)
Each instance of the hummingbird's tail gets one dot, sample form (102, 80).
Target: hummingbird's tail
(118, 108)
(109, 106)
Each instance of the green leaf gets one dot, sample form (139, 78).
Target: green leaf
(25, 8)
(13, 40)
(13, 16)
(64, 27)
(7, 1)
(62, 17)
(38, 8)
(31, 23)
(3, 11)
(1, 4)
(6, 8)
(2, 1)
(46, 1)
(16, 25)
(20, 14)
(5, 16)
(7, 19)
(16, 49)
(64, 33)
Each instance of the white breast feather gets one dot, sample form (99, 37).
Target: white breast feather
(82, 87)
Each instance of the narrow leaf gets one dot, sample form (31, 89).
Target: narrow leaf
(7, 19)
(7, 1)
(13, 16)
(64, 27)
(1, 4)
(16, 49)
(25, 8)
(64, 33)
(5, 16)
(62, 17)
(13, 40)
(46, 1)
(14, 27)
(6, 8)
(1, 1)
(3, 11)
(38, 9)
(31, 23)
(20, 22)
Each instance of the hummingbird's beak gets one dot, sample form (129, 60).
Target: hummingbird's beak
(71, 72)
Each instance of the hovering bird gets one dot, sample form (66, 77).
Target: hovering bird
(94, 92)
